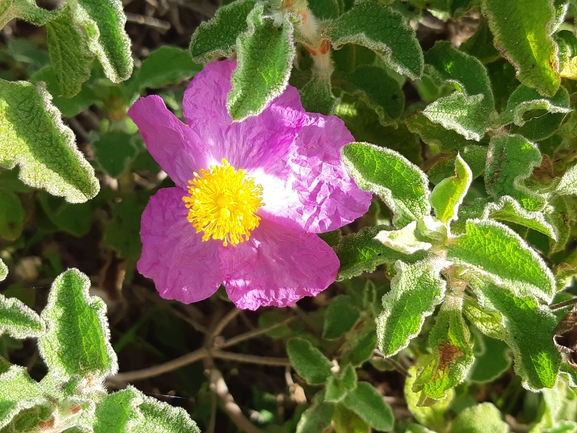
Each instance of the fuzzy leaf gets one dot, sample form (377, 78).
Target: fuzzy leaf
(12, 216)
(165, 65)
(481, 418)
(104, 23)
(415, 292)
(340, 384)
(317, 95)
(162, 417)
(360, 343)
(378, 90)
(77, 337)
(69, 54)
(567, 43)
(529, 327)
(265, 54)
(510, 161)
(18, 320)
(446, 64)
(217, 37)
(34, 137)
(401, 184)
(17, 393)
(461, 113)
(568, 183)
(119, 412)
(452, 353)
(522, 30)
(496, 252)
(492, 357)
(435, 134)
(114, 151)
(382, 30)
(316, 418)
(340, 316)
(509, 210)
(308, 361)
(448, 194)
(75, 219)
(369, 404)
(524, 100)
(26, 10)
(562, 217)
(405, 240)
(3, 270)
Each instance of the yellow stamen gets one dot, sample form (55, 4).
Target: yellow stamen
(223, 203)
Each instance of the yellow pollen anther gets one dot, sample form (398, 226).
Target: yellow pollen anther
(223, 203)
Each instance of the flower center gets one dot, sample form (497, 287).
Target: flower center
(222, 203)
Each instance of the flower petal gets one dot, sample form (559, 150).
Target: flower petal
(176, 147)
(254, 142)
(277, 266)
(173, 254)
(320, 194)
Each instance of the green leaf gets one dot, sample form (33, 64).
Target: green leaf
(481, 418)
(382, 30)
(75, 219)
(17, 393)
(308, 361)
(265, 54)
(446, 64)
(529, 327)
(369, 404)
(119, 412)
(567, 43)
(448, 194)
(524, 100)
(12, 216)
(317, 95)
(377, 89)
(69, 53)
(510, 161)
(496, 252)
(77, 337)
(401, 184)
(3, 270)
(316, 418)
(26, 10)
(509, 210)
(340, 316)
(480, 45)
(452, 353)
(461, 113)
(122, 233)
(114, 151)
(360, 343)
(522, 30)
(415, 292)
(339, 384)
(18, 320)
(217, 37)
(165, 65)
(432, 417)
(34, 137)
(492, 358)
(435, 134)
(162, 417)
(405, 240)
(568, 183)
(489, 323)
(361, 252)
(104, 23)
(562, 217)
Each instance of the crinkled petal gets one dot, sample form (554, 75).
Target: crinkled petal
(176, 147)
(319, 194)
(277, 266)
(255, 142)
(173, 254)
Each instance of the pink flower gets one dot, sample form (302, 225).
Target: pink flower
(249, 197)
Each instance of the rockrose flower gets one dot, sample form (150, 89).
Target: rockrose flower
(249, 196)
